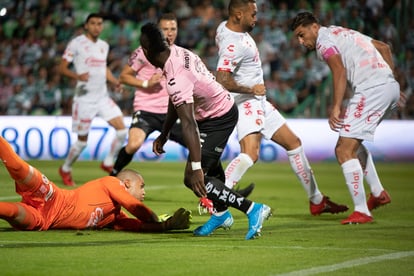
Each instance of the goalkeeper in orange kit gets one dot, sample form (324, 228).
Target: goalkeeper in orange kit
(96, 204)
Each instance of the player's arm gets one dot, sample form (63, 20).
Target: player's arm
(191, 134)
(180, 220)
(128, 77)
(194, 175)
(226, 79)
(111, 78)
(65, 71)
(339, 89)
(385, 51)
(170, 119)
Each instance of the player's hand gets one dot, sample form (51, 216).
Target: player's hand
(158, 145)
(154, 82)
(335, 120)
(196, 179)
(180, 220)
(259, 90)
(83, 76)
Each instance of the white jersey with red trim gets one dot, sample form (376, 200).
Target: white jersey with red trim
(239, 55)
(365, 67)
(89, 57)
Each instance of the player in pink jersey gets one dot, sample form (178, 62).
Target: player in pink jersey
(208, 116)
(367, 66)
(88, 53)
(239, 69)
(96, 204)
(150, 100)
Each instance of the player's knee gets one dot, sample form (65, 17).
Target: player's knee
(342, 153)
(134, 145)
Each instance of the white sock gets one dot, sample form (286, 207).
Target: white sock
(116, 145)
(352, 171)
(74, 152)
(236, 169)
(304, 173)
(370, 173)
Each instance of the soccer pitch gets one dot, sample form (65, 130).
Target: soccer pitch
(292, 243)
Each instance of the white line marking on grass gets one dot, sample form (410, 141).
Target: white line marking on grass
(3, 198)
(348, 264)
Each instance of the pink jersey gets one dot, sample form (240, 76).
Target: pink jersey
(154, 100)
(189, 81)
(364, 65)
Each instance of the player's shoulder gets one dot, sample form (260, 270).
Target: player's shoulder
(102, 42)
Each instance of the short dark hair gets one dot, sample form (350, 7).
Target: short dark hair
(303, 19)
(155, 37)
(167, 16)
(235, 4)
(93, 15)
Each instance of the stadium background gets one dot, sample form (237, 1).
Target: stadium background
(34, 33)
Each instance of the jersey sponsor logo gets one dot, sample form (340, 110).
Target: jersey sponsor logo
(186, 60)
(95, 218)
(95, 62)
(301, 169)
(171, 82)
(355, 183)
(247, 108)
(360, 108)
(374, 116)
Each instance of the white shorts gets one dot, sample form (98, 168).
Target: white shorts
(84, 112)
(367, 108)
(258, 116)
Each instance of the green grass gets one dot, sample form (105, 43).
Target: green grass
(292, 240)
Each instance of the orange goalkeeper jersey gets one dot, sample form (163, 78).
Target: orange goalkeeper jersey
(96, 204)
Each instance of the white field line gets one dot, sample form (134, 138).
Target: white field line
(348, 264)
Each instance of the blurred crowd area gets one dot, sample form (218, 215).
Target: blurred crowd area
(34, 34)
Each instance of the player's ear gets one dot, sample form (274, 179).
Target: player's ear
(127, 183)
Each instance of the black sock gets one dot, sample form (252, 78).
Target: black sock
(217, 172)
(223, 196)
(122, 160)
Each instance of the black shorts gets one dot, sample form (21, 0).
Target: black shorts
(214, 134)
(149, 122)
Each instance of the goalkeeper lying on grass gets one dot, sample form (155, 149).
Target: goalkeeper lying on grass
(96, 204)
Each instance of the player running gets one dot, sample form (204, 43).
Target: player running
(89, 56)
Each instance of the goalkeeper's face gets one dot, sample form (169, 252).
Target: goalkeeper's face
(136, 187)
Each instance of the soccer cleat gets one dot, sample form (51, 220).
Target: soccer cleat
(246, 191)
(375, 202)
(327, 206)
(224, 221)
(257, 215)
(357, 218)
(66, 177)
(107, 169)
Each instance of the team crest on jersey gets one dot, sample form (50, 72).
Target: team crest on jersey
(230, 48)
(171, 82)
